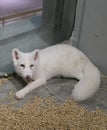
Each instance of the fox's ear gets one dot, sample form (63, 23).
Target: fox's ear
(15, 53)
(36, 54)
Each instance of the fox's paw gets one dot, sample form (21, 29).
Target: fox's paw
(19, 95)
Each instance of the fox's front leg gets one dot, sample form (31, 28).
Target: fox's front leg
(31, 86)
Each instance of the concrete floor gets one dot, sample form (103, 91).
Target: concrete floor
(59, 88)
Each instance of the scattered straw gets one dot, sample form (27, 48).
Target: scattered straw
(4, 80)
(45, 114)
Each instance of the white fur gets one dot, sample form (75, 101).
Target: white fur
(57, 60)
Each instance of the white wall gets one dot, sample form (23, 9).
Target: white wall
(92, 31)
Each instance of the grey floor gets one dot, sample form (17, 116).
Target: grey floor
(59, 88)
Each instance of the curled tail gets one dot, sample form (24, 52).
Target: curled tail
(88, 85)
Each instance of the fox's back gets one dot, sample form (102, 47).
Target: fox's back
(62, 52)
(62, 58)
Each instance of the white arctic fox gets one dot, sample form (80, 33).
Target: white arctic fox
(62, 59)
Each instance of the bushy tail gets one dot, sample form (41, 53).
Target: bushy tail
(88, 85)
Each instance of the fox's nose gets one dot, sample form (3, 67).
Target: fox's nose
(28, 77)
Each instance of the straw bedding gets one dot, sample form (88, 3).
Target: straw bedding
(47, 114)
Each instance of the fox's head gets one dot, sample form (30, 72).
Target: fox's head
(25, 63)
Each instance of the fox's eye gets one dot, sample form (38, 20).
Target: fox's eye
(22, 65)
(31, 66)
